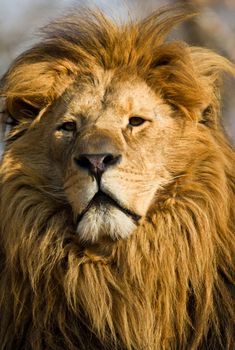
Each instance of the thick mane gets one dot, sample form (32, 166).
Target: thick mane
(73, 45)
(171, 284)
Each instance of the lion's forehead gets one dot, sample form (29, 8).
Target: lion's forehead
(124, 95)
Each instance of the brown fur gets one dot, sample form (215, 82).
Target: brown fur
(171, 284)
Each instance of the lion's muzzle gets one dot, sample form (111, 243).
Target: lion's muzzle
(100, 211)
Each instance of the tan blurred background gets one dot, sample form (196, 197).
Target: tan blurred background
(213, 28)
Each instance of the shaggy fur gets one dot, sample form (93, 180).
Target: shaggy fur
(170, 285)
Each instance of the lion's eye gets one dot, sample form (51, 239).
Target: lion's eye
(68, 126)
(136, 121)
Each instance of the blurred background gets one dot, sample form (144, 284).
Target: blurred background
(214, 28)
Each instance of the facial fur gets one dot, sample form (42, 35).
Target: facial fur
(103, 127)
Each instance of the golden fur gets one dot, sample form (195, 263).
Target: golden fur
(169, 285)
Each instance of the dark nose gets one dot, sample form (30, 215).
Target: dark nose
(97, 163)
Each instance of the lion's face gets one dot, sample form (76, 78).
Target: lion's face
(109, 144)
(110, 139)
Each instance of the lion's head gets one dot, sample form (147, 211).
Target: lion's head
(116, 191)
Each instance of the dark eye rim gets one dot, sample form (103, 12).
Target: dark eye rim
(136, 120)
(69, 126)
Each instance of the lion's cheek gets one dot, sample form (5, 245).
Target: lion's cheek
(80, 191)
(135, 196)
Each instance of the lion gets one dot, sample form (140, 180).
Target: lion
(117, 191)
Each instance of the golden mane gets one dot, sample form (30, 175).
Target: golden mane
(171, 284)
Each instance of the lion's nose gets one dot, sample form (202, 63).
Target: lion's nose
(97, 163)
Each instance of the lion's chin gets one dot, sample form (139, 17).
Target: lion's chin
(105, 220)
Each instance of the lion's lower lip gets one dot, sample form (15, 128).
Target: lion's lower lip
(101, 199)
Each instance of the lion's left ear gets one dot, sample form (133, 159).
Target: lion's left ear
(210, 66)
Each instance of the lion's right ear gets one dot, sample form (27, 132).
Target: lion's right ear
(20, 108)
(3, 116)
(28, 87)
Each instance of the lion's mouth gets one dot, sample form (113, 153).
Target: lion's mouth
(101, 201)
